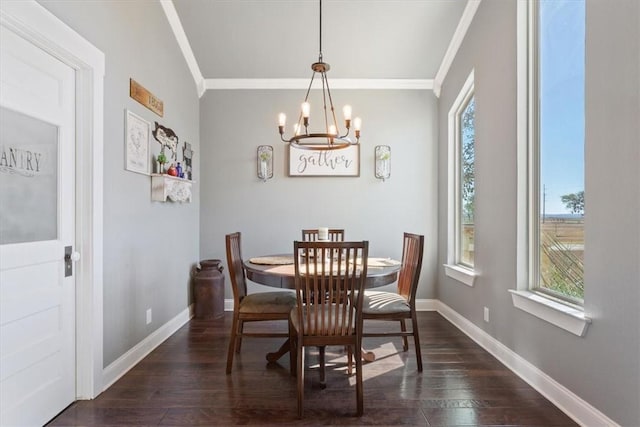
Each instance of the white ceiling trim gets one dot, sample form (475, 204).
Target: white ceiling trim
(458, 36)
(183, 42)
(203, 84)
(387, 84)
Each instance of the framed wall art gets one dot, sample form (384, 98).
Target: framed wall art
(137, 131)
(343, 162)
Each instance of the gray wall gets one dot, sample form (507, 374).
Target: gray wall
(149, 247)
(140, 236)
(603, 367)
(270, 215)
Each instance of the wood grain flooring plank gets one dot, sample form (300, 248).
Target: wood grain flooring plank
(183, 383)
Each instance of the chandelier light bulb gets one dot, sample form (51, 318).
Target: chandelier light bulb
(282, 119)
(306, 108)
(332, 130)
(357, 124)
(346, 110)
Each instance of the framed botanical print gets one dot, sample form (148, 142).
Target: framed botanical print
(137, 131)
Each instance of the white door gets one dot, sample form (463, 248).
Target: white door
(37, 222)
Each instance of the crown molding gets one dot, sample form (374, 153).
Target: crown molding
(183, 43)
(458, 36)
(279, 84)
(202, 84)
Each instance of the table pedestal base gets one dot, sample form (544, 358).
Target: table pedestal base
(367, 356)
(275, 356)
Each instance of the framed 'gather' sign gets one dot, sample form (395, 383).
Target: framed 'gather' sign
(342, 162)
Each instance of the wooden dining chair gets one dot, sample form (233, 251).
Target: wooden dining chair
(327, 304)
(401, 305)
(311, 234)
(254, 307)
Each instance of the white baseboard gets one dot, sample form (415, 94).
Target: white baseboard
(568, 402)
(427, 304)
(124, 363)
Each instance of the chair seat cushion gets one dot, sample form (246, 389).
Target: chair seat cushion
(268, 302)
(376, 302)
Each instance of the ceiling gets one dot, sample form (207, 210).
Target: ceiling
(361, 39)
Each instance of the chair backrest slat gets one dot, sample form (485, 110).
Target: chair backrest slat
(412, 251)
(329, 279)
(236, 267)
(311, 234)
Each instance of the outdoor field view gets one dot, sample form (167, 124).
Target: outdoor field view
(562, 254)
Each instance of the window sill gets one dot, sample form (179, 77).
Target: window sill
(461, 274)
(561, 315)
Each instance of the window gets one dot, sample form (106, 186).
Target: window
(461, 130)
(557, 147)
(551, 199)
(559, 219)
(466, 181)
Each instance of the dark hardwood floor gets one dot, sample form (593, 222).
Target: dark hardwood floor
(183, 383)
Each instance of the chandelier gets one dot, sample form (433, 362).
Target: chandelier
(329, 138)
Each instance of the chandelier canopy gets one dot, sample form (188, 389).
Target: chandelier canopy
(330, 137)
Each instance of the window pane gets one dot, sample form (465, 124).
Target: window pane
(561, 44)
(467, 182)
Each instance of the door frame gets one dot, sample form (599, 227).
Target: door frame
(37, 25)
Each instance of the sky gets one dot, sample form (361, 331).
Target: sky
(562, 34)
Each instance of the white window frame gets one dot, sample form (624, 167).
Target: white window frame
(454, 268)
(560, 313)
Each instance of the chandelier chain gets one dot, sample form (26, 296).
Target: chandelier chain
(320, 54)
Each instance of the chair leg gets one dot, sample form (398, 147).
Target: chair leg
(359, 390)
(416, 337)
(292, 350)
(300, 375)
(321, 359)
(239, 337)
(405, 341)
(232, 342)
(349, 360)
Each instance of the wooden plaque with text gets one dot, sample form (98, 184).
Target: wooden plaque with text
(146, 98)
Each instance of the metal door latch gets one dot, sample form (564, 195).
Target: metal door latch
(69, 257)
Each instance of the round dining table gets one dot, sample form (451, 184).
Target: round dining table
(278, 271)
